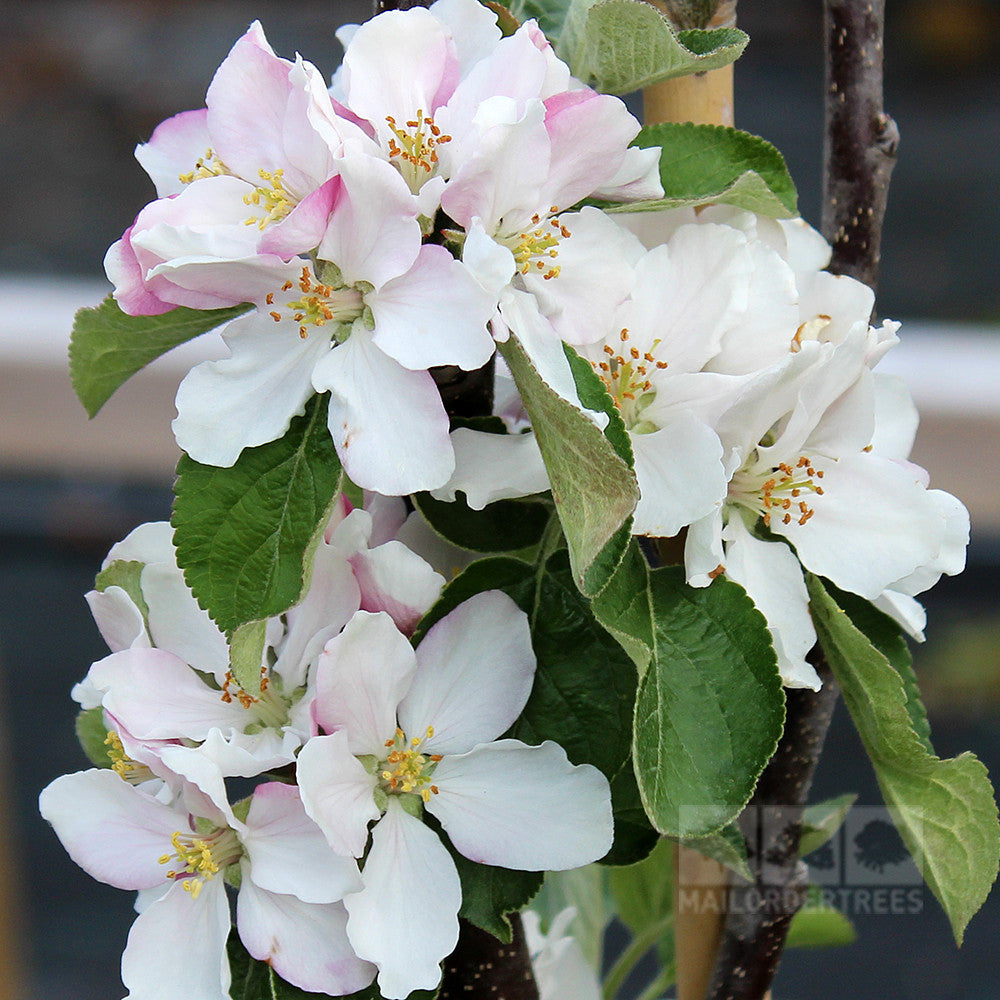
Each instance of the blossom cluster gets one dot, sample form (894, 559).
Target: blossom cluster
(379, 229)
(744, 375)
(352, 738)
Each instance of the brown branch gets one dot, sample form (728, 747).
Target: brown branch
(760, 912)
(859, 151)
(861, 139)
(482, 966)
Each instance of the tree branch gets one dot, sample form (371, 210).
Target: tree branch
(859, 151)
(861, 139)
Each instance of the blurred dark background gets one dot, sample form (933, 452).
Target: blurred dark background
(81, 82)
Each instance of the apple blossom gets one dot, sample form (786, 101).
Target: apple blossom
(418, 729)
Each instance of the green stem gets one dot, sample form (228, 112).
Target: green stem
(655, 989)
(631, 956)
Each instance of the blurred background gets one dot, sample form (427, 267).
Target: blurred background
(81, 82)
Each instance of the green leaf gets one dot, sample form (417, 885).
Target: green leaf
(242, 533)
(710, 708)
(944, 809)
(726, 846)
(246, 654)
(594, 488)
(126, 574)
(584, 685)
(817, 926)
(623, 608)
(822, 820)
(550, 14)
(504, 526)
(644, 892)
(626, 45)
(489, 894)
(709, 164)
(634, 836)
(107, 347)
(92, 732)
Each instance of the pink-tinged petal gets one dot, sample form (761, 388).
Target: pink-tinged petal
(680, 474)
(435, 314)
(178, 624)
(173, 149)
(177, 947)
(491, 467)
(114, 832)
(873, 525)
(411, 893)
(589, 133)
(388, 424)
(219, 411)
(303, 227)
(772, 577)
(337, 793)
(373, 233)
(397, 581)
(361, 678)
(596, 273)
(117, 618)
(288, 852)
(157, 696)
(124, 272)
(523, 807)
(305, 943)
(397, 64)
(475, 668)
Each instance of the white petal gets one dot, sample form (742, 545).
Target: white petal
(288, 852)
(475, 668)
(896, 417)
(177, 947)
(523, 807)
(305, 943)
(681, 479)
(362, 676)
(491, 467)
(412, 894)
(388, 423)
(337, 793)
(112, 831)
(772, 577)
(117, 618)
(249, 398)
(148, 543)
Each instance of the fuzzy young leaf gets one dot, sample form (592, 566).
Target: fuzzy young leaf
(242, 533)
(944, 809)
(726, 846)
(92, 732)
(246, 654)
(126, 574)
(625, 45)
(594, 488)
(710, 708)
(822, 820)
(107, 346)
(708, 164)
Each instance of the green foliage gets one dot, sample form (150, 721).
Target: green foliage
(634, 836)
(726, 846)
(710, 707)
(644, 892)
(92, 732)
(822, 820)
(241, 532)
(594, 488)
(944, 809)
(489, 894)
(625, 45)
(503, 526)
(624, 608)
(709, 164)
(585, 890)
(246, 654)
(107, 347)
(126, 574)
(550, 14)
(816, 926)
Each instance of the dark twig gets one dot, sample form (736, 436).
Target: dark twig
(861, 139)
(860, 149)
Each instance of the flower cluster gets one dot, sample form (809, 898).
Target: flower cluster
(378, 230)
(743, 374)
(353, 737)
